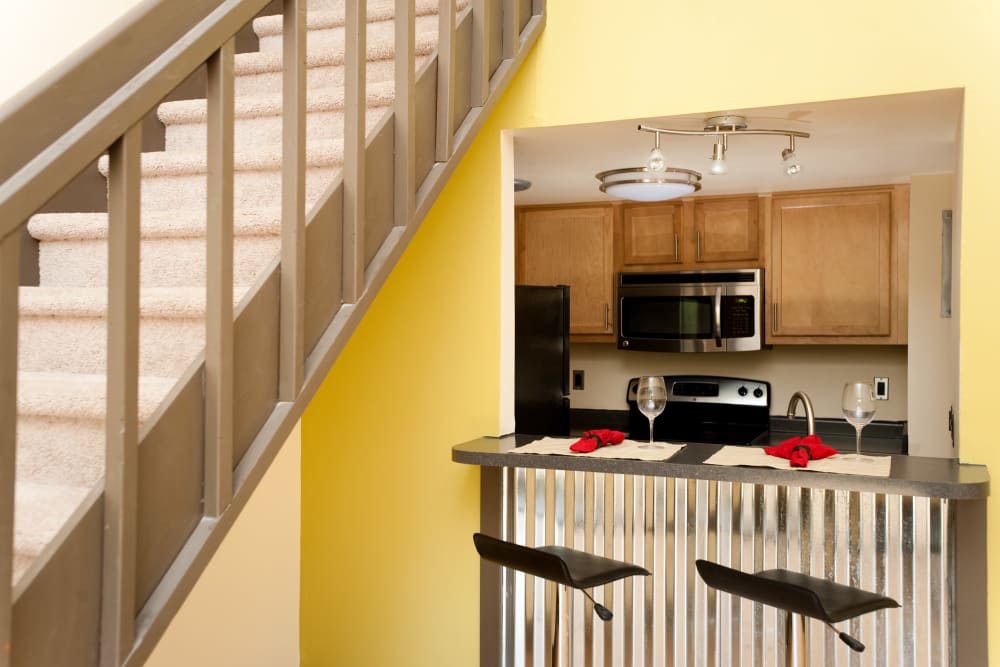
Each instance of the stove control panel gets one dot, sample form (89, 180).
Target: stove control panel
(713, 390)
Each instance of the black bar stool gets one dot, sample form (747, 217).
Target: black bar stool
(798, 594)
(564, 566)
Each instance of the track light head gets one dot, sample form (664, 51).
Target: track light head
(656, 161)
(719, 166)
(790, 162)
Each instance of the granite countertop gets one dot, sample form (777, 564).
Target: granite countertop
(910, 476)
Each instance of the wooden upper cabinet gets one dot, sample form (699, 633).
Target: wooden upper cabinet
(837, 267)
(571, 246)
(692, 233)
(726, 230)
(652, 234)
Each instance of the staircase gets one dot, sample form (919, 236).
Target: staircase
(109, 553)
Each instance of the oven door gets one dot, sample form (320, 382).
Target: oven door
(671, 318)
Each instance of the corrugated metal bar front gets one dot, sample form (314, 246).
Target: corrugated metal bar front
(895, 545)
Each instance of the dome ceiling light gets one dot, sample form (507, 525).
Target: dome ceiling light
(658, 182)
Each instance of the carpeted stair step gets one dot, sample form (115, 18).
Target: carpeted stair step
(173, 180)
(60, 424)
(260, 73)
(73, 247)
(62, 329)
(40, 510)
(326, 29)
(258, 118)
(330, 13)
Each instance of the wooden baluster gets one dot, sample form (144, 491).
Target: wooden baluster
(511, 28)
(10, 250)
(480, 81)
(405, 115)
(122, 450)
(219, 285)
(446, 81)
(355, 109)
(293, 196)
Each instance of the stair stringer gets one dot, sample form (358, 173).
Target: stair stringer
(59, 596)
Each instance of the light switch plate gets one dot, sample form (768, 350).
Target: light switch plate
(881, 386)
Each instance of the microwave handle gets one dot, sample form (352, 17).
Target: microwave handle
(718, 317)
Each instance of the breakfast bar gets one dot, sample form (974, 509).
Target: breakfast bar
(916, 535)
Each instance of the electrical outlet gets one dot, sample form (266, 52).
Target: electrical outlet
(881, 388)
(578, 380)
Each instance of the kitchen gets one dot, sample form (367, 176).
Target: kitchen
(899, 151)
(893, 141)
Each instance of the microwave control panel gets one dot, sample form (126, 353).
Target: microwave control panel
(738, 318)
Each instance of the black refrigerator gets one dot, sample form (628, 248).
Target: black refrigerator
(541, 360)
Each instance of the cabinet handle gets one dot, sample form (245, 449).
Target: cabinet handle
(718, 316)
(774, 317)
(607, 317)
(677, 254)
(697, 245)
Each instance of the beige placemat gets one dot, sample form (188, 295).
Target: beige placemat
(628, 449)
(873, 466)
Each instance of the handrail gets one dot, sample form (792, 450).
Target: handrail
(75, 124)
(69, 91)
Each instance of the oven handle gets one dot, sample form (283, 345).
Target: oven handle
(718, 316)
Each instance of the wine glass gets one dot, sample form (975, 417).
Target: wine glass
(651, 397)
(858, 406)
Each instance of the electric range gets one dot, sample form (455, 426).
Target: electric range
(707, 409)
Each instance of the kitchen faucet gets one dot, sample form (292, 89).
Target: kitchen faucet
(810, 416)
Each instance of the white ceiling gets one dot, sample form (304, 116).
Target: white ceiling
(863, 141)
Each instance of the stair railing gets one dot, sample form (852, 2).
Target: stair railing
(104, 576)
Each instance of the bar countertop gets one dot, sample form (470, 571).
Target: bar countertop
(910, 475)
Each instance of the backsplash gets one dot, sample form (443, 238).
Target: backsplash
(820, 371)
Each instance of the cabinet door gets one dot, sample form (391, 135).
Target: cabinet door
(652, 234)
(571, 246)
(830, 265)
(726, 230)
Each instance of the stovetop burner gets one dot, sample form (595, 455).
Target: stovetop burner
(707, 409)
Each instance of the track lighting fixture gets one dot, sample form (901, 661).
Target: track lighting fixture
(657, 182)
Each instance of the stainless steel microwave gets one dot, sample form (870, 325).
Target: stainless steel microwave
(690, 311)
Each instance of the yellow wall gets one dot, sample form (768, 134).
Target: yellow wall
(389, 574)
(244, 610)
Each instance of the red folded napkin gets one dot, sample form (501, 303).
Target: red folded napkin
(799, 451)
(595, 438)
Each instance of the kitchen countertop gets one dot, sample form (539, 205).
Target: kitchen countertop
(910, 475)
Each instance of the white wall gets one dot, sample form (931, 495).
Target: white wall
(244, 610)
(933, 379)
(820, 371)
(40, 33)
